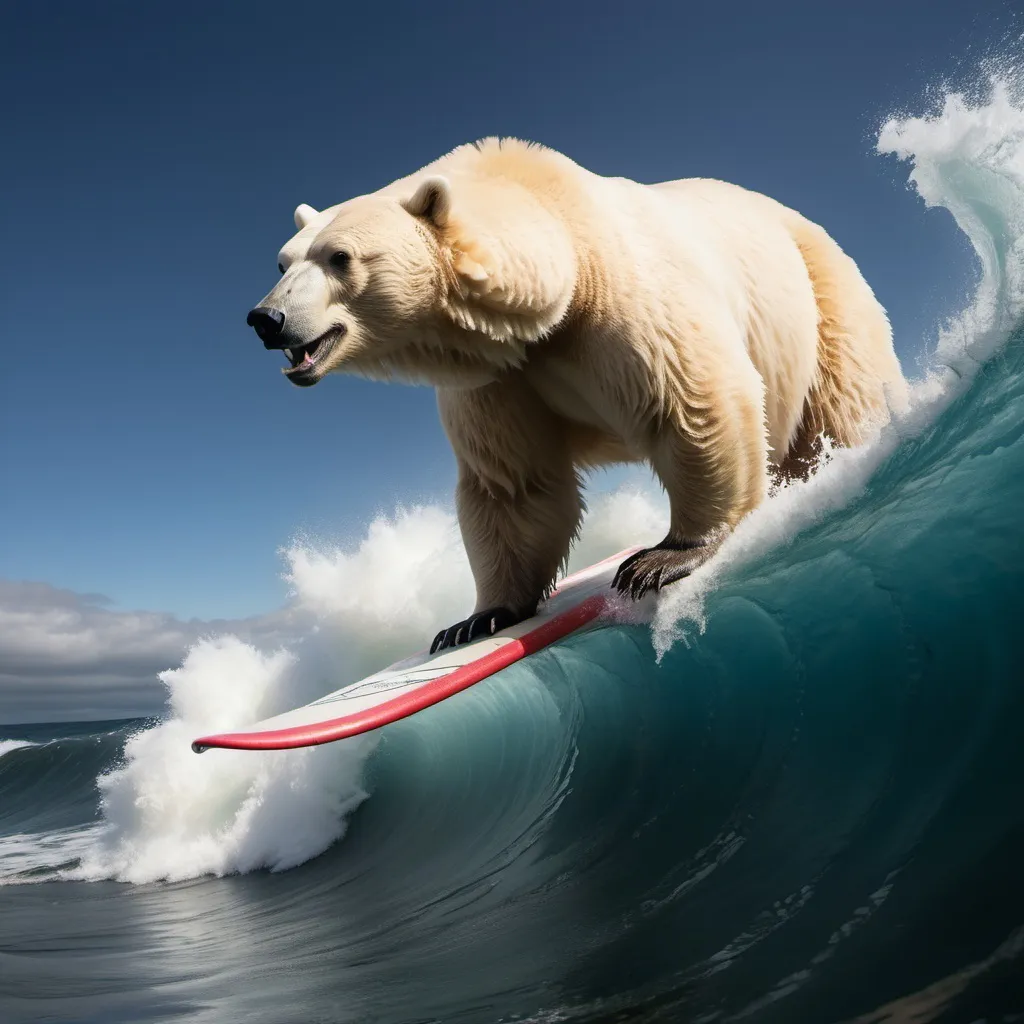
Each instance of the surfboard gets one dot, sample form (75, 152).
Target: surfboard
(420, 681)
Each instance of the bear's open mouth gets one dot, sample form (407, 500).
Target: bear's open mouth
(305, 359)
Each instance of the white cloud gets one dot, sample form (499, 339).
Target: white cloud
(67, 656)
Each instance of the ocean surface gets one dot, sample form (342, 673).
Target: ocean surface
(795, 793)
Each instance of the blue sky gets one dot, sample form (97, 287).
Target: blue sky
(152, 156)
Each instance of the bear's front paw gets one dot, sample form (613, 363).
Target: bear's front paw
(485, 623)
(654, 568)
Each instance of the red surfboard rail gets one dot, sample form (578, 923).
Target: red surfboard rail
(452, 682)
(430, 693)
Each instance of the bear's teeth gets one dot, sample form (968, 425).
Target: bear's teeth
(288, 353)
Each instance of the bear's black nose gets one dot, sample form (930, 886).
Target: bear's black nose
(268, 323)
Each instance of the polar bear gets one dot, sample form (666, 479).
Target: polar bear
(569, 320)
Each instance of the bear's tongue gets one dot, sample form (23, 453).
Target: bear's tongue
(301, 356)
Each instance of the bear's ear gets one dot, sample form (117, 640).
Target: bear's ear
(304, 214)
(514, 264)
(432, 201)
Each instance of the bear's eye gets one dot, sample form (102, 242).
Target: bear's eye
(340, 260)
(280, 267)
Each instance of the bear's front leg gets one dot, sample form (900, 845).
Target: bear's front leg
(713, 461)
(518, 501)
(516, 541)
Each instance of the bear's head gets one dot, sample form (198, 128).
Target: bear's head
(429, 283)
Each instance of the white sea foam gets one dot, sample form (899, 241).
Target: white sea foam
(172, 814)
(8, 746)
(33, 857)
(968, 157)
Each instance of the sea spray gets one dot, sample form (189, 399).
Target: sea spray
(170, 814)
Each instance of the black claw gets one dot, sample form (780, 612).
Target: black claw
(484, 623)
(479, 625)
(487, 623)
(655, 568)
(625, 572)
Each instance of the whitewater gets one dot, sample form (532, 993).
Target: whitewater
(788, 791)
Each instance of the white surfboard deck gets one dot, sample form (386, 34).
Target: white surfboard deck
(417, 682)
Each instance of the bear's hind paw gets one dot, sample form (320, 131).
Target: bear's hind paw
(485, 623)
(654, 568)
